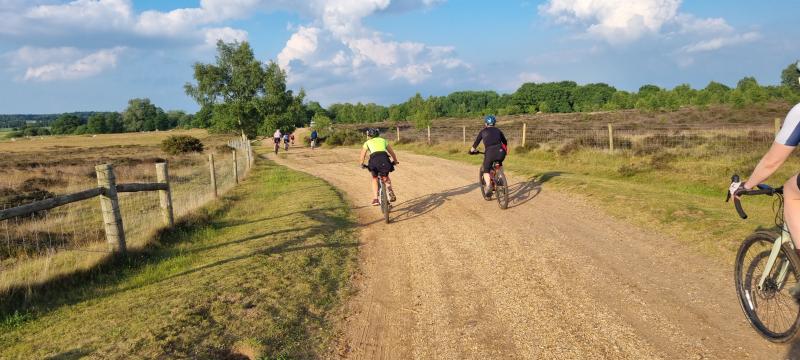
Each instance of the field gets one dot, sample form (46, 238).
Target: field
(256, 274)
(49, 245)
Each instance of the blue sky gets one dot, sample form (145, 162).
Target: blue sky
(58, 56)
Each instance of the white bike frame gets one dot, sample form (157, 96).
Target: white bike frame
(773, 258)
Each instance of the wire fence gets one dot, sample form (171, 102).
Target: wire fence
(636, 140)
(69, 238)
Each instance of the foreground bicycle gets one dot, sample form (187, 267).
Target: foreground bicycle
(383, 196)
(499, 184)
(767, 266)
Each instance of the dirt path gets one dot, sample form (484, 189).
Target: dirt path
(551, 277)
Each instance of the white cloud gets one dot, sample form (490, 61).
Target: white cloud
(301, 45)
(95, 14)
(86, 66)
(616, 21)
(225, 34)
(720, 42)
(690, 24)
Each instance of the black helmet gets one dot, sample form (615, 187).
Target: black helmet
(373, 132)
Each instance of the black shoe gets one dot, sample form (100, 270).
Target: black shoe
(392, 198)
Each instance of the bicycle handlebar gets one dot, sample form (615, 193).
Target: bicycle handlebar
(762, 189)
(475, 153)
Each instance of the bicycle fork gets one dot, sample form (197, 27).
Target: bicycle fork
(773, 258)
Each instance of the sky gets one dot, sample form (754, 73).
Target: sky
(95, 55)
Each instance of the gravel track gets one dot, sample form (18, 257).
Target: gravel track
(454, 277)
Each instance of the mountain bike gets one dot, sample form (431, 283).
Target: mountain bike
(767, 266)
(383, 195)
(498, 183)
(277, 146)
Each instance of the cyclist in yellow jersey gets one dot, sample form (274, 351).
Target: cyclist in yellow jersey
(379, 163)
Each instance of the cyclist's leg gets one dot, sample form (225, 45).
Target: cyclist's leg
(791, 208)
(374, 187)
(487, 166)
(389, 188)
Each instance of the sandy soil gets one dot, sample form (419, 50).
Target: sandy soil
(455, 277)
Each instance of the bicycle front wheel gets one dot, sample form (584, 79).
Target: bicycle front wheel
(769, 307)
(501, 188)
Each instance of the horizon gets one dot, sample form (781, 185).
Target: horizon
(95, 55)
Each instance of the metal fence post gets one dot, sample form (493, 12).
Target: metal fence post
(109, 205)
(235, 167)
(213, 174)
(165, 196)
(610, 138)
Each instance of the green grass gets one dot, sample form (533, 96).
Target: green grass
(682, 196)
(258, 272)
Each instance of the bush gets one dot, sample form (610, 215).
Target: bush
(593, 142)
(181, 144)
(345, 138)
(628, 170)
(660, 161)
(223, 149)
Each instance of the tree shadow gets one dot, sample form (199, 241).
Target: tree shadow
(73, 354)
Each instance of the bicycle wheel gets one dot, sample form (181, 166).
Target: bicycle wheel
(384, 200)
(501, 188)
(771, 310)
(482, 185)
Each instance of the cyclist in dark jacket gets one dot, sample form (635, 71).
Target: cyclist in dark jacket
(495, 147)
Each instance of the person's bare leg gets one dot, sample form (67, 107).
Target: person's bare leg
(487, 180)
(388, 183)
(791, 208)
(374, 188)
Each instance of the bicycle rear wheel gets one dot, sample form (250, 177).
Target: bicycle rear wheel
(501, 188)
(771, 310)
(384, 200)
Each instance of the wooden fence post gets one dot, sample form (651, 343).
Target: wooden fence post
(398, 132)
(109, 205)
(429, 134)
(610, 138)
(235, 167)
(213, 174)
(464, 134)
(165, 196)
(777, 125)
(524, 131)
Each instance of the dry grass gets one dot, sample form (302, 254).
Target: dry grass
(55, 243)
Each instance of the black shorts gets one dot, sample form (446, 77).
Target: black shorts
(277, 140)
(492, 154)
(379, 164)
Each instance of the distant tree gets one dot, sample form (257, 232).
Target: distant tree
(97, 124)
(322, 124)
(142, 115)
(591, 97)
(66, 124)
(789, 77)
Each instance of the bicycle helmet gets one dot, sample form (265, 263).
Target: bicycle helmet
(373, 132)
(490, 120)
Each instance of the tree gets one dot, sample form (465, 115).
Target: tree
(592, 97)
(142, 115)
(234, 84)
(322, 124)
(66, 124)
(790, 76)
(97, 124)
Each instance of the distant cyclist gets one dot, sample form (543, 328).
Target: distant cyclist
(379, 163)
(495, 147)
(314, 136)
(785, 142)
(286, 142)
(276, 137)
(292, 138)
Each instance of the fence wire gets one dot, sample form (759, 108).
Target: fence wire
(71, 237)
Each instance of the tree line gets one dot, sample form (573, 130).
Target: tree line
(566, 97)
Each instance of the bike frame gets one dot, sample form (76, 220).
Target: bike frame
(784, 238)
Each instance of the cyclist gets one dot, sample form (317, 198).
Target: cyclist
(292, 138)
(276, 137)
(495, 148)
(379, 163)
(787, 139)
(314, 136)
(286, 141)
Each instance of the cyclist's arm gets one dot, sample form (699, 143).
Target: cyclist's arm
(771, 161)
(478, 140)
(363, 155)
(391, 152)
(503, 139)
(786, 140)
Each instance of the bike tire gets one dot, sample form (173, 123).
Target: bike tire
(746, 277)
(482, 186)
(384, 201)
(501, 189)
